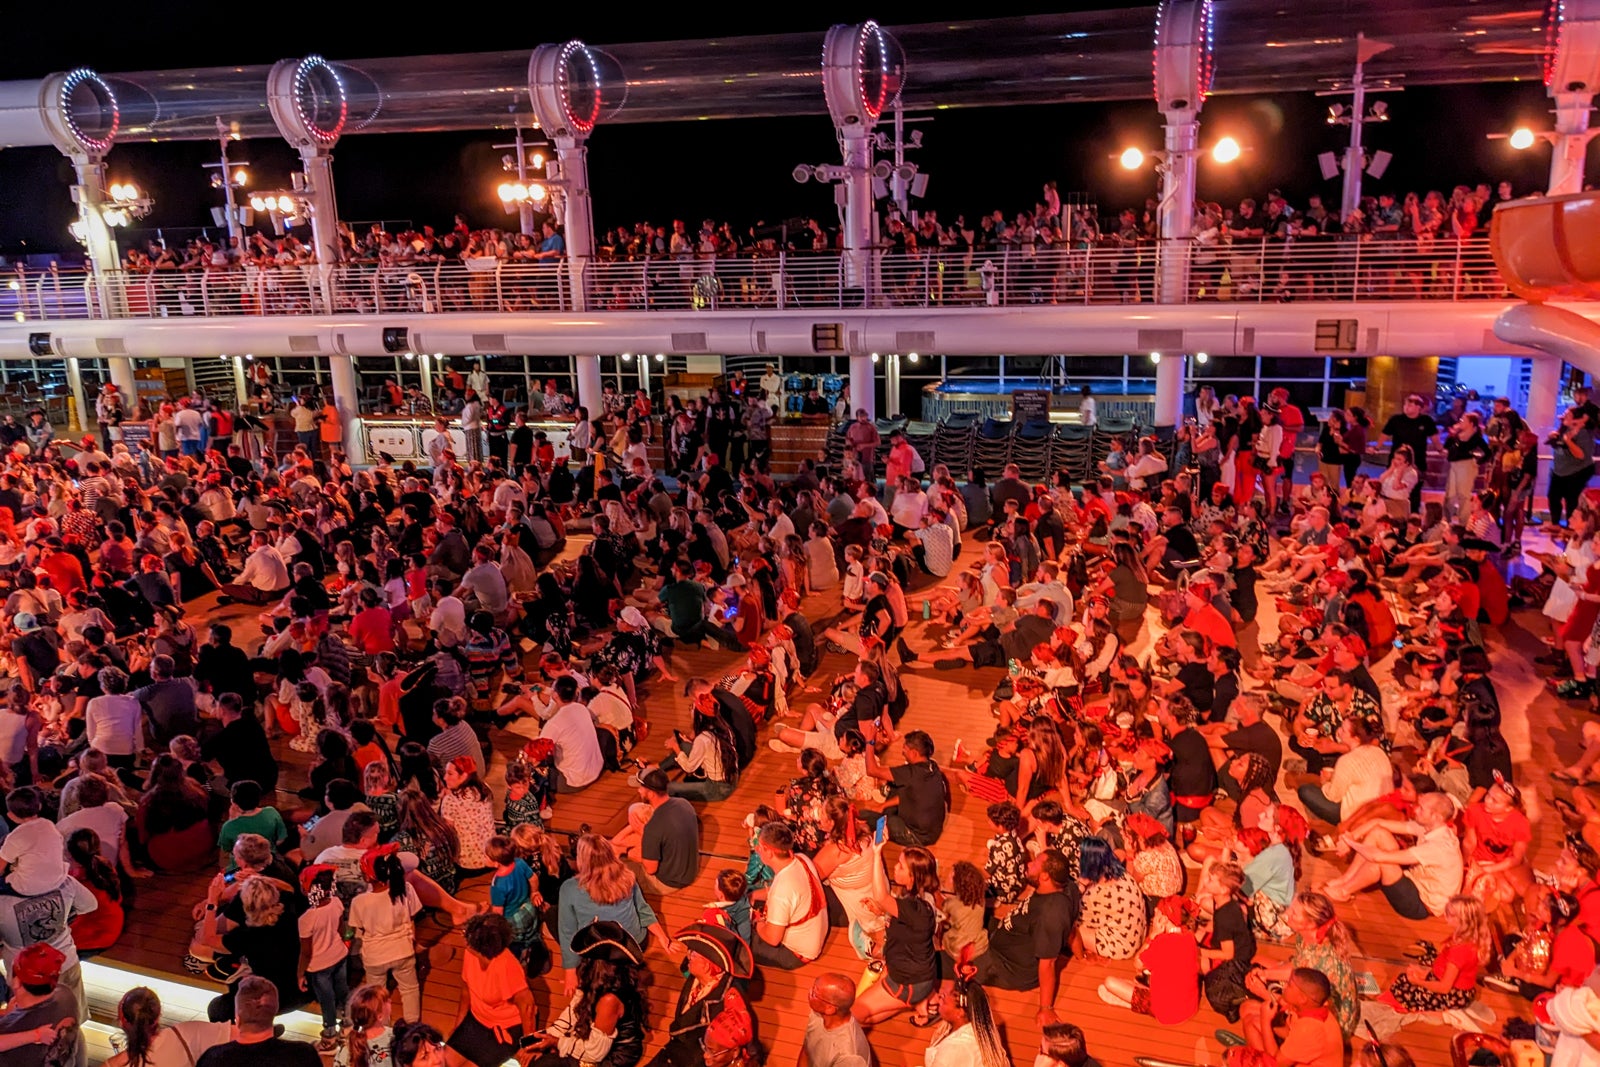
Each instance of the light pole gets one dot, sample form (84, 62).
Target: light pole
(1355, 116)
(524, 205)
(229, 177)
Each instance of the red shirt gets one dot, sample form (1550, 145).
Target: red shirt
(373, 630)
(1495, 839)
(66, 573)
(1208, 622)
(1173, 960)
(1293, 420)
(1572, 957)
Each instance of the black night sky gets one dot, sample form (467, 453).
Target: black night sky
(978, 160)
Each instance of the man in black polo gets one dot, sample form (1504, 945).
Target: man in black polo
(1414, 426)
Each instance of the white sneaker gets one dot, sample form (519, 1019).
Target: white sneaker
(778, 746)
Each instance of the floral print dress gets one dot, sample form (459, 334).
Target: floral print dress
(474, 823)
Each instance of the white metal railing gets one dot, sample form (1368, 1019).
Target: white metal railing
(1316, 269)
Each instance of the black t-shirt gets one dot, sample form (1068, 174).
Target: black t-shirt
(273, 952)
(1224, 691)
(1193, 773)
(867, 705)
(274, 1052)
(1197, 684)
(1230, 926)
(1362, 679)
(672, 839)
(1040, 929)
(921, 790)
(1244, 593)
(38, 647)
(1029, 632)
(908, 950)
(1259, 738)
(1181, 545)
(1487, 760)
(241, 749)
(1414, 431)
(741, 723)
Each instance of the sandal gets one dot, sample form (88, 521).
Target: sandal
(1229, 1039)
(921, 1019)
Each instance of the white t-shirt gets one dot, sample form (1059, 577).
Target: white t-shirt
(789, 899)
(1439, 868)
(36, 856)
(384, 925)
(578, 755)
(324, 925)
(188, 423)
(610, 707)
(108, 820)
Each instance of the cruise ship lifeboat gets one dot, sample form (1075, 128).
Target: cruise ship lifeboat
(1548, 248)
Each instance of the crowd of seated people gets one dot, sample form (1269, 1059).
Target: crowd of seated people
(1160, 773)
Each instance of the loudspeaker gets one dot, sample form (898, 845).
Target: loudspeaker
(396, 339)
(1379, 164)
(39, 344)
(1329, 164)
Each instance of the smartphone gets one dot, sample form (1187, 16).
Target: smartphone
(881, 834)
(230, 877)
(1399, 642)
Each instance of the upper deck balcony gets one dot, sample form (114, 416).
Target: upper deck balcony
(1321, 270)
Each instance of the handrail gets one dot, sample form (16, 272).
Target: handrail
(1323, 269)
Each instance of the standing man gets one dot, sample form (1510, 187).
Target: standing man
(1414, 426)
(189, 426)
(472, 426)
(305, 424)
(862, 435)
(1293, 420)
(833, 1037)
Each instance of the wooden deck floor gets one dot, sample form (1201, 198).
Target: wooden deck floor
(948, 704)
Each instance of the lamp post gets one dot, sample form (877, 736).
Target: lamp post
(1355, 116)
(229, 177)
(520, 162)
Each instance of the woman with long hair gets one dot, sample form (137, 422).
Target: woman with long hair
(1321, 942)
(149, 1044)
(432, 840)
(844, 863)
(174, 818)
(602, 889)
(418, 771)
(604, 1023)
(100, 928)
(1129, 588)
(1041, 764)
(711, 765)
(968, 1027)
(1447, 977)
(367, 1042)
(910, 955)
(467, 804)
(191, 576)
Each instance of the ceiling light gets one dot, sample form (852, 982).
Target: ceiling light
(1131, 159)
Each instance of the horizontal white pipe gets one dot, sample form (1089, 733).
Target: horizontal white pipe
(1390, 328)
(1556, 330)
